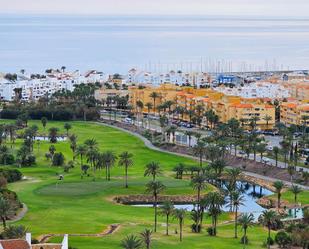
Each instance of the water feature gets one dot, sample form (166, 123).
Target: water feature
(251, 193)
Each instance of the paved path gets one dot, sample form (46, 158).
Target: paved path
(109, 230)
(151, 146)
(21, 214)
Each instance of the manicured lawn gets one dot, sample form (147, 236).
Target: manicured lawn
(84, 205)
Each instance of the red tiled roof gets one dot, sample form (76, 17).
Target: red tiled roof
(243, 105)
(14, 244)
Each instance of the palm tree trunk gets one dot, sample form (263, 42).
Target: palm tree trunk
(180, 232)
(268, 244)
(3, 222)
(167, 216)
(155, 214)
(126, 169)
(236, 222)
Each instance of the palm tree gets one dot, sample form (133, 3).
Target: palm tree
(125, 159)
(109, 159)
(81, 150)
(44, 122)
(237, 201)
(91, 143)
(131, 242)
(53, 132)
(278, 185)
(67, 127)
(295, 190)
(180, 214)
(246, 221)
(5, 211)
(154, 96)
(73, 144)
(149, 107)
(155, 188)
(179, 169)
(267, 118)
(153, 169)
(198, 183)
(214, 202)
(276, 152)
(268, 218)
(146, 237)
(167, 209)
(199, 150)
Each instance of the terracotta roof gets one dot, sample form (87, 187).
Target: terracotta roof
(304, 107)
(289, 105)
(269, 106)
(242, 105)
(14, 244)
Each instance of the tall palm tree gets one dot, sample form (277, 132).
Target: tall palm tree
(131, 242)
(276, 152)
(278, 185)
(214, 202)
(268, 218)
(53, 132)
(73, 144)
(153, 169)
(246, 221)
(146, 237)
(154, 97)
(180, 215)
(67, 127)
(295, 190)
(125, 159)
(149, 106)
(267, 119)
(109, 159)
(199, 151)
(155, 188)
(237, 200)
(179, 169)
(81, 151)
(198, 183)
(167, 209)
(44, 122)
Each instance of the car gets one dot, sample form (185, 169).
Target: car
(128, 120)
(265, 160)
(269, 147)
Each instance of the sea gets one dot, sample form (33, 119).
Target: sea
(115, 44)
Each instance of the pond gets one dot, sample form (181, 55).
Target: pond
(251, 193)
(45, 138)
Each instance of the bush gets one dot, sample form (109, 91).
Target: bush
(58, 159)
(8, 160)
(11, 175)
(211, 231)
(270, 241)
(282, 239)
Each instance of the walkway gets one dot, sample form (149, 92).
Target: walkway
(151, 146)
(20, 214)
(109, 230)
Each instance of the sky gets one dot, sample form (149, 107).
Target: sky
(269, 8)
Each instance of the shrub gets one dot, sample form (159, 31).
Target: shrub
(282, 239)
(11, 175)
(270, 241)
(211, 231)
(58, 159)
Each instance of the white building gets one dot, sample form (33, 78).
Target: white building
(257, 90)
(35, 88)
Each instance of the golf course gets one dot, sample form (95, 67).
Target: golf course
(83, 204)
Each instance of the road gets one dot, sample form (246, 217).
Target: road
(151, 146)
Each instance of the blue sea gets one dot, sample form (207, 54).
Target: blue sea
(116, 44)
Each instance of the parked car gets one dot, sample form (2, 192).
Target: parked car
(128, 120)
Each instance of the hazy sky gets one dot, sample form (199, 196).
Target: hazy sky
(295, 8)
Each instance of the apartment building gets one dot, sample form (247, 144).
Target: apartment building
(294, 113)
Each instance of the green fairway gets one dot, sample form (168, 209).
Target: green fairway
(85, 205)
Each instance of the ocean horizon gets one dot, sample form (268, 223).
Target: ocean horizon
(156, 43)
